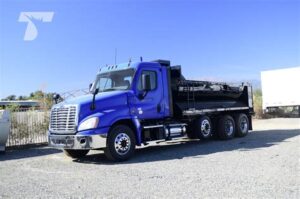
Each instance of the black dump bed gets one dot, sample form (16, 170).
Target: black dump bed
(196, 97)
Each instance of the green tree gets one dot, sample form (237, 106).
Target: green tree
(37, 95)
(13, 107)
(21, 97)
(258, 104)
(45, 99)
(10, 97)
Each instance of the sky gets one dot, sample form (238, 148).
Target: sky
(220, 40)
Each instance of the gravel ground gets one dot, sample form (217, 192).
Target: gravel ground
(265, 164)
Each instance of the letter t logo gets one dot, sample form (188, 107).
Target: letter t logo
(31, 31)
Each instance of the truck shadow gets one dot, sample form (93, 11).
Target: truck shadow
(27, 153)
(256, 140)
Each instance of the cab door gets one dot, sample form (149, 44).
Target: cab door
(150, 105)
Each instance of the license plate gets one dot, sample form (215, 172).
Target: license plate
(62, 141)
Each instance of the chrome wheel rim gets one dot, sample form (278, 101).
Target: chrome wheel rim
(122, 143)
(229, 127)
(205, 128)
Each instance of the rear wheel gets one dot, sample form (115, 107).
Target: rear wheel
(203, 127)
(226, 127)
(120, 143)
(242, 125)
(76, 153)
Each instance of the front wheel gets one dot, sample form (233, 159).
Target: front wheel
(76, 153)
(120, 144)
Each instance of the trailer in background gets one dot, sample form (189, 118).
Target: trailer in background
(280, 88)
(4, 128)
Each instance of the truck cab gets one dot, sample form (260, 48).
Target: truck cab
(129, 105)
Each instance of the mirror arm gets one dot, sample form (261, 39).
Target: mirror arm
(93, 105)
(143, 95)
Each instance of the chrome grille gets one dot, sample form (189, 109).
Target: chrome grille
(63, 119)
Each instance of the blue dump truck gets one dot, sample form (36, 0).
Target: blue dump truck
(136, 103)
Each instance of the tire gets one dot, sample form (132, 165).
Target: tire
(226, 127)
(242, 125)
(200, 128)
(203, 128)
(76, 153)
(120, 143)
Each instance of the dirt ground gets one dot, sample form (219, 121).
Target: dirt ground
(265, 164)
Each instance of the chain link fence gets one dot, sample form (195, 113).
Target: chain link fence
(28, 126)
(74, 93)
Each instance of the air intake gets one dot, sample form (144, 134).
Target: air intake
(163, 62)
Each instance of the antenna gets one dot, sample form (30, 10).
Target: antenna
(115, 56)
(129, 62)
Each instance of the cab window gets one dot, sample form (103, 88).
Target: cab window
(153, 79)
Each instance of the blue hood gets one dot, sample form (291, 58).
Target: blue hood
(104, 102)
(87, 99)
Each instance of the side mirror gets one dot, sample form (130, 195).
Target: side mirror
(93, 106)
(96, 91)
(56, 97)
(146, 82)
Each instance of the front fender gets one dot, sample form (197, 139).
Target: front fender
(138, 130)
(110, 116)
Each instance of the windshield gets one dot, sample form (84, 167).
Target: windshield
(115, 80)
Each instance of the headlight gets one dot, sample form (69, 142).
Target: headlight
(90, 123)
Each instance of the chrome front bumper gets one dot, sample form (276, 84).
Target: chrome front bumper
(77, 141)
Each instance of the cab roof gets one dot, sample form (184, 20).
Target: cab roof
(133, 65)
